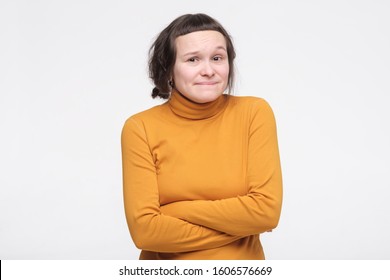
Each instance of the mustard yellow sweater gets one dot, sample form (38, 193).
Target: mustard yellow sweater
(202, 181)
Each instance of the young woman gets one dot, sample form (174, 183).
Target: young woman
(201, 172)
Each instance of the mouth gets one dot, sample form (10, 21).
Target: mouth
(206, 83)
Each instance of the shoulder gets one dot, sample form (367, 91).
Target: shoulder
(256, 110)
(151, 113)
(251, 104)
(146, 116)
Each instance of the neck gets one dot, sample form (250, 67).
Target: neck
(186, 108)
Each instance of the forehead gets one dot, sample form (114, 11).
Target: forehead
(200, 41)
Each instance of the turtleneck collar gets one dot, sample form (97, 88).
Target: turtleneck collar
(186, 108)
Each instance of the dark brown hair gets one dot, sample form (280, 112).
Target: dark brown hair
(162, 53)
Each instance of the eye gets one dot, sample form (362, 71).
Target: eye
(192, 59)
(217, 58)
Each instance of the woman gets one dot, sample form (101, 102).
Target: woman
(201, 172)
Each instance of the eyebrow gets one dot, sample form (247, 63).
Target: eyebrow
(196, 52)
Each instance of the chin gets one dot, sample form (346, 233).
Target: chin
(207, 95)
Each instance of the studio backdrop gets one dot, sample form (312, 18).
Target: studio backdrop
(72, 72)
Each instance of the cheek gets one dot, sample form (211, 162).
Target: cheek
(224, 72)
(227, 72)
(182, 74)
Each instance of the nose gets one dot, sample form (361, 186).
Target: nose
(207, 69)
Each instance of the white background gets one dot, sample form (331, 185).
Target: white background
(71, 72)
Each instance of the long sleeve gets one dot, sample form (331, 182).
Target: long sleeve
(257, 211)
(150, 229)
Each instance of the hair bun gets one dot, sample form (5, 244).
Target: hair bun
(155, 92)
